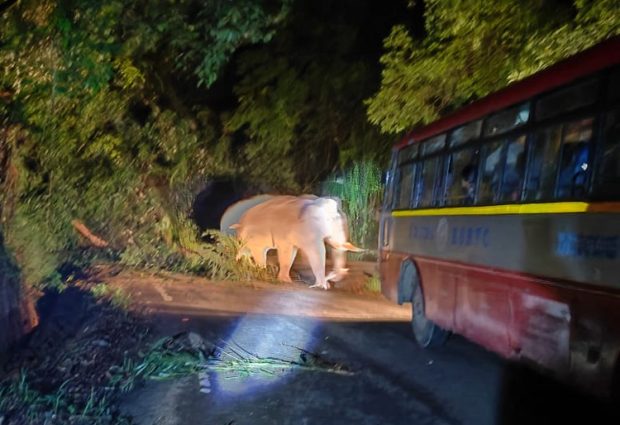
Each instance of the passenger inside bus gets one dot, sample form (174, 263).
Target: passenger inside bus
(514, 170)
(574, 159)
(573, 176)
(469, 175)
(513, 178)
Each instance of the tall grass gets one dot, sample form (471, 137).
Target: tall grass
(360, 190)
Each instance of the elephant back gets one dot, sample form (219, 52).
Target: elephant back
(233, 214)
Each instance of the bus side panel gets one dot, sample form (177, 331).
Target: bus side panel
(559, 326)
(570, 330)
(389, 271)
(541, 321)
(439, 285)
(573, 247)
(595, 340)
(473, 302)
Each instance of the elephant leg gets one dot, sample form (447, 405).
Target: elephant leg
(259, 253)
(316, 258)
(286, 256)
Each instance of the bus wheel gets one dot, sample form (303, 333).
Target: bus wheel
(426, 333)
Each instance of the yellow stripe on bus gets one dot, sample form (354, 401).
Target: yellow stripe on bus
(543, 208)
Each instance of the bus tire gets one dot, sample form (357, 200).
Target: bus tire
(426, 333)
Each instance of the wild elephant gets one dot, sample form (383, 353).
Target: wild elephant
(292, 223)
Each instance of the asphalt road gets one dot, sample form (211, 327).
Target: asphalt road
(392, 381)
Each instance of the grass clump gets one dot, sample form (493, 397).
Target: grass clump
(116, 296)
(168, 358)
(187, 353)
(360, 190)
(373, 284)
(21, 404)
(220, 259)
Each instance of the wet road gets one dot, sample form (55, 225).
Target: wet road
(393, 381)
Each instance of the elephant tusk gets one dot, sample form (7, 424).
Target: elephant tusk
(350, 247)
(346, 246)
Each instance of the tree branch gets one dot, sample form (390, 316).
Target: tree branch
(85, 231)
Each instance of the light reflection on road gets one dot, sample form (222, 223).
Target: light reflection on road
(263, 337)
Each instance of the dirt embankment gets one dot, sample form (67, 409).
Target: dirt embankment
(68, 370)
(17, 312)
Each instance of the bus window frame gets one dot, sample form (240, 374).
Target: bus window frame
(470, 145)
(596, 110)
(608, 104)
(436, 200)
(390, 186)
(416, 196)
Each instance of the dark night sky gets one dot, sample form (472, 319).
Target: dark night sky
(373, 19)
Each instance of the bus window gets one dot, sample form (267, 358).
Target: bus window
(461, 177)
(567, 100)
(544, 149)
(434, 144)
(512, 180)
(574, 159)
(465, 133)
(389, 188)
(491, 171)
(408, 153)
(404, 187)
(426, 182)
(607, 185)
(507, 120)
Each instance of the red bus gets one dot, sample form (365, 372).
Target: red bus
(501, 222)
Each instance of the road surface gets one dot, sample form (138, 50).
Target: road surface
(392, 381)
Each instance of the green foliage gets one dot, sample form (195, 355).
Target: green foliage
(300, 103)
(373, 284)
(97, 131)
(472, 48)
(117, 297)
(109, 119)
(164, 360)
(360, 190)
(30, 406)
(38, 246)
(222, 263)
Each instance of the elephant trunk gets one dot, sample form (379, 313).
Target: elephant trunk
(339, 261)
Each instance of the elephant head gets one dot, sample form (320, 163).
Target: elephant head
(330, 223)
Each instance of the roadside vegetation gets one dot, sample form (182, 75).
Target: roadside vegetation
(360, 189)
(114, 115)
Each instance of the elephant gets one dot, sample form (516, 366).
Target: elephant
(292, 223)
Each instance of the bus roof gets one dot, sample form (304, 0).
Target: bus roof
(600, 56)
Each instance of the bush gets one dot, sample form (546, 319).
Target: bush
(360, 190)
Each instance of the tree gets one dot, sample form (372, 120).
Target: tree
(97, 129)
(300, 113)
(472, 48)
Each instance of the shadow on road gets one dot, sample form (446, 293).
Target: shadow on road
(530, 398)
